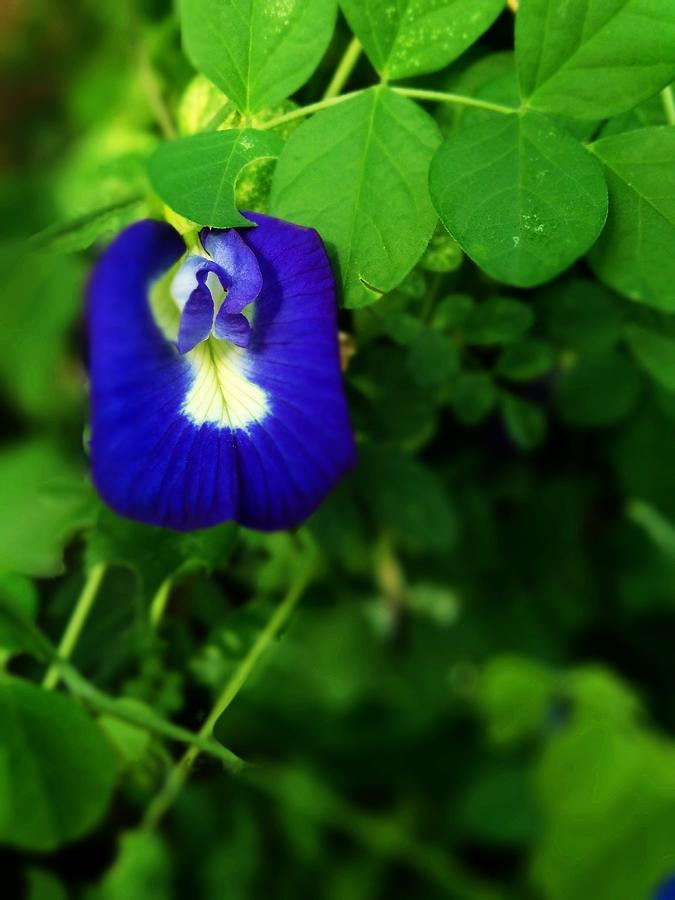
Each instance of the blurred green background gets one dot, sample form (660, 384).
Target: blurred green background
(475, 697)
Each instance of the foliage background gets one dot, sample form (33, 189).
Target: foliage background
(473, 698)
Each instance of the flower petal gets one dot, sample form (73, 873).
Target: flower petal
(259, 434)
(234, 328)
(242, 272)
(196, 319)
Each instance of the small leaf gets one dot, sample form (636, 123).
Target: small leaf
(522, 198)
(473, 397)
(592, 59)
(497, 320)
(635, 252)
(54, 762)
(197, 175)
(433, 359)
(525, 422)
(582, 314)
(18, 602)
(407, 498)
(598, 391)
(403, 38)
(452, 311)
(257, 52)
(524, 360)
(655, 352)
(334, 174)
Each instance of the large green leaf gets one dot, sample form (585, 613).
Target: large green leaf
(408, 37)
(358, 174)
(635, 252)
(40, 301)
(257, 51)
(57, 772)
(591, 59)
(522, 197)
(197, 175)
(44, 501)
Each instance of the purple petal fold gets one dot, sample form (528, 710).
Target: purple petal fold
(242, 272)
(233, 327)
(196, 320)
(152, 461)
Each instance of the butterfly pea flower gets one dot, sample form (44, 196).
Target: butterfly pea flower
(216, 388)
(667, 890)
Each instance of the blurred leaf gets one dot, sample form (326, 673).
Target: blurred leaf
(407, 498)
(524, 421)
(473, 397)
(433, 359)
(18, 596)
(197, 175)
(404, 39)
(451, 312)
(39, 519)
(42, 885)
(654, 352)
(525, 360)
(54, 762)
(522, 197)
(598, 391)
(514, 697)
(581, 314)
(498, 807)
(335, 169)
(142, 870)
(41, 299)
(497, 320)
(256, 52)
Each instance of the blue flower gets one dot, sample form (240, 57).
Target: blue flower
(216, 390)
(666, 891)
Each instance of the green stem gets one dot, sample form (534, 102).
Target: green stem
(181, 770)
(159, 601)
(76, 623)
(306, 110)
(668, 104)
(344, 69)
(443, 97)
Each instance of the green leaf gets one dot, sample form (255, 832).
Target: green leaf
(44, 502)
(497, 320)
(156, 553)
(473, 397)
(407, 498)
(41, 299)
(19, 597)
(433, 359)
(452, 311)
(514, 696)
(521, 197)
(635, 252)
(591, 59)
(258, 52)
(598, 391)
(410, 37)
(335, 171)
(524, 421)
(197, 175)
(54, 764)
(142, 870)
(655, 352)
(524, 360)
(582, 314)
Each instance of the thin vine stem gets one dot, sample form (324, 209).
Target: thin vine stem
(461, 99)
(76, 623)
(303, 111)
(181, 770)
(344, 69)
